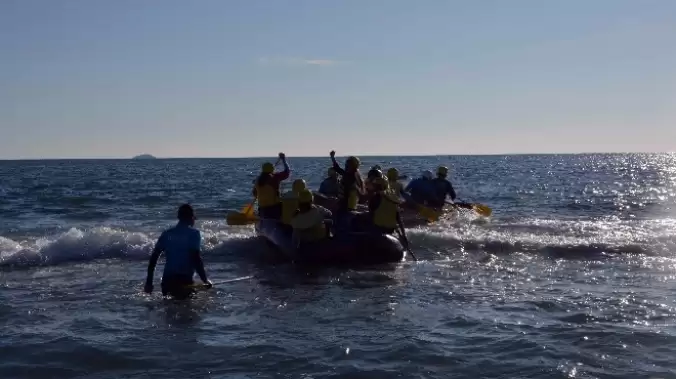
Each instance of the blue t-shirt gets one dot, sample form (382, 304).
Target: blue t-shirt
(330, 187)
(178, 243)
(421, 190)
(443, 188)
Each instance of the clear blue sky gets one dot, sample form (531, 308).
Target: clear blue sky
(216, 78)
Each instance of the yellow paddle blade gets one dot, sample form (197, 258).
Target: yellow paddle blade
(482, 210)
(238, 218)
(430, 214)
(248, 209)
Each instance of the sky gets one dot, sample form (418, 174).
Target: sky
(233, 78)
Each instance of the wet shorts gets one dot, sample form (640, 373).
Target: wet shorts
(177, 286)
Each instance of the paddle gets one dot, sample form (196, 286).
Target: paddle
(244, 217)
(402, 237)
(481, 209)
(430, 214)
(203, 285)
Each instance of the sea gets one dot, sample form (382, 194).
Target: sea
(573, 276)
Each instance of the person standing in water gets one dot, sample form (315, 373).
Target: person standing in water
(442, 188)
(266, 188)
(421, 190)
(181, 246)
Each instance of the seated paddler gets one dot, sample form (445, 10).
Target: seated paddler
(311, 223)
(289, 202)
(384, 208)
(393, 180)
(331, 185)
(375, 172)
(266, 188)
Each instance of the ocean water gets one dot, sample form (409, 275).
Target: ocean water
(574, 276)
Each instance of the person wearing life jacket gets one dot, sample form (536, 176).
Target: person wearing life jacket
(374, 173)
(266, 188)
(384, 208)
(351, 183)
(393, 180)
(310, 222)
(181, 247)
(289, 202)
(331, 185)
(421, 190)
(442, 188)
(351, 188)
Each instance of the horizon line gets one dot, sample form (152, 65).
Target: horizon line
(327, 156)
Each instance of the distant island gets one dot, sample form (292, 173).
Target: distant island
(144, 156)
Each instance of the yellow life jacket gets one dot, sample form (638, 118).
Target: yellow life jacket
(309, 226)
(352, 193)
(289, 207)
(267, 195)
(396, 187)
(385, 216)
(352, 198)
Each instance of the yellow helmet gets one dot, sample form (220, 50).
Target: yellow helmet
(267, 168)
(393, 173)
(331, 172)
(352, 160)
(298, 185)
(305, 197)
(442, 171)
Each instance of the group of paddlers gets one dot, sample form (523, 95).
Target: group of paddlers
(384, 194)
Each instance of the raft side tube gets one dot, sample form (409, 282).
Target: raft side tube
(354, 248)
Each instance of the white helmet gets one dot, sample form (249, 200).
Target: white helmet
(427, 174)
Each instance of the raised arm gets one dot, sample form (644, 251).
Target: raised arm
(336, 166)
(287, 171)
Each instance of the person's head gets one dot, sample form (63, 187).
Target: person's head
(331, 172)
(377, 167)
(442, 172)
(298, 185)
(305, 199)
(427, 174)
(393, 174)
(374, 173)
(352, 164)
(267, 168)
(186, 214)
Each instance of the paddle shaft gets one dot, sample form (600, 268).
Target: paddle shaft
(201, 285)
(404, 240)
(479, 208)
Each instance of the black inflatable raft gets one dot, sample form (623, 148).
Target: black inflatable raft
(345, 249)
